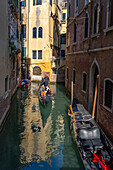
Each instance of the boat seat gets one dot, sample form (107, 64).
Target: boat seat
(87, 145)
(97, 144)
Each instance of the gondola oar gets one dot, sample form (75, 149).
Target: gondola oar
(73, 115)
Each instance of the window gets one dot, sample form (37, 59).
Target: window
(86, 26)
(108, 97)
(67, 74)
(63, 39)
(40, 54)
(37, 2)
(73, 76)
(63, 16)
(54, 33)
(69, 10)
(13, 63)
(23, 30)
(34, 53)
(110, 13)
(75, 32)
(23, 3)
(97, 15)
(86, 2)
(84, 81)
(63, 53)
(40, 32)
(68, 38)
(33, 2)
(6, 84)
(76, 8)
(34, 32)
(51, 2)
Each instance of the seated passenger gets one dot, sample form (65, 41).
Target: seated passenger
(42, 89)
(47, 90)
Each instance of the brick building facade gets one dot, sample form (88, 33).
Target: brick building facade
(89, 52)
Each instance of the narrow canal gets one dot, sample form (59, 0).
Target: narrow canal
(38, 138)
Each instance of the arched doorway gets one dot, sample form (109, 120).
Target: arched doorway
(37, 71)
(94, 71)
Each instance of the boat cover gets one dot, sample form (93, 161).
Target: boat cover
(26, 81)
(89, 133)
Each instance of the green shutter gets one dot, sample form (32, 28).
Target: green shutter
(24, 52)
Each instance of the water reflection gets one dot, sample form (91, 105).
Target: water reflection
(43, 139)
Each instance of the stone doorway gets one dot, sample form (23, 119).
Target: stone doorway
(94, 71)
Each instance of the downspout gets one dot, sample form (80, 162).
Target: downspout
(90, 25)
(28, 40)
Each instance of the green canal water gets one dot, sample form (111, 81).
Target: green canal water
(35, 137)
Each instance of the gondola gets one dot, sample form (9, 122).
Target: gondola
(44, 98)
(95, 148)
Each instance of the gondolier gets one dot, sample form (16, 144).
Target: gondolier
(44, 92)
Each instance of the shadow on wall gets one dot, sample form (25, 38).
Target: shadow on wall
(38, 12)
(61, 74)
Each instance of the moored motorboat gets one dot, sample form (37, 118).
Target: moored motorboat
(25, 83)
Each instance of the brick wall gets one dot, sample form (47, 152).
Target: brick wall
(86, 55)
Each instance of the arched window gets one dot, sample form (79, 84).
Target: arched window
(75, 32)
(108, 93)
(67, 74)
(73, 76)
(34, 32)
(97, 18)
(86, 25)
(37, 71)
(84, 80)
(40, 32)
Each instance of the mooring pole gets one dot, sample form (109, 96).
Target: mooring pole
(71, 92)
(95, 97)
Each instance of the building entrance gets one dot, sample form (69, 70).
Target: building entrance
(94, 71)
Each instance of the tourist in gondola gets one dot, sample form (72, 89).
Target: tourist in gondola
(47, 90)
(46, 80)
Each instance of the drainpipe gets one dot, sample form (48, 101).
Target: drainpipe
(90, 24)
(28, 37)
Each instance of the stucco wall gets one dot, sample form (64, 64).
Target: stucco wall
(4, 58)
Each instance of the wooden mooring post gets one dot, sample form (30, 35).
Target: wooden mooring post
(95, 97)
(71, 92)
